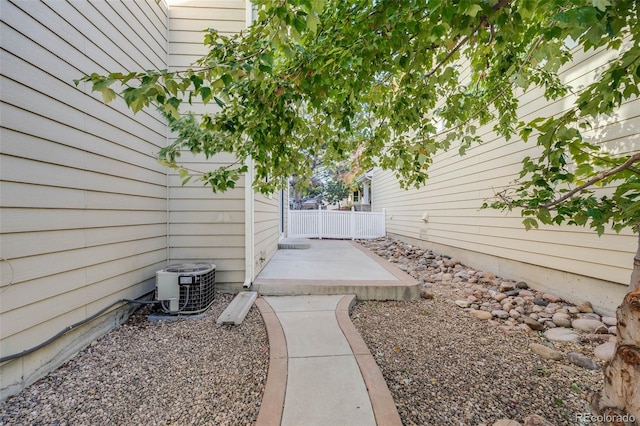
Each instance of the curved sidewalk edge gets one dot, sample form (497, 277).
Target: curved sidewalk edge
(384, 409)
(272, 406)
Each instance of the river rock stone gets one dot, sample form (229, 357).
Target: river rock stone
(587, 325)
(552, 308)
(545, 351)
(499, 313)
(561, 319)
(522, 285)
(585, 306)
(481, 314)
(610, 321)
(533, 324)
(605, 351)
(536, 420)
(597, 338)
(582, 361)
(425, 294)
(551, 298)
(499, 297)
(589, 315)
(561, 335)
(506, 422)
(462, 303)
(488, 275)
(450, 263)
(571, 309)
(506, 286)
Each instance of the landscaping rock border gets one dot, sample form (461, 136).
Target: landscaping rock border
(184, 372)
(479, 349)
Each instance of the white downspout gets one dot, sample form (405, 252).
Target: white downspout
(248, 194)
(248, 225)
(167, 137)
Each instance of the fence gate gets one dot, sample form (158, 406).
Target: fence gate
(336, 224)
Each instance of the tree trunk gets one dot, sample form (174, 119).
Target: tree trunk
(619, 402)
(296, 194)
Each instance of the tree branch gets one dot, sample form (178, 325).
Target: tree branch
(627, 164)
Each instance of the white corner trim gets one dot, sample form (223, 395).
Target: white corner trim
(248, 9)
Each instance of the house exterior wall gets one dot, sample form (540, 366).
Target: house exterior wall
(203, 225)
(266, 229)
(83, 201)
(569, 261)
(87, 213)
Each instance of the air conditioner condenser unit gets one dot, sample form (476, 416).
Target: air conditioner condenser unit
(187, 288)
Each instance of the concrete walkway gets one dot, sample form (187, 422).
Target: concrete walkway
(320, 370)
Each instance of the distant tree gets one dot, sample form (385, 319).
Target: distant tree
(306, 186)
(336, 191)
(378, 77)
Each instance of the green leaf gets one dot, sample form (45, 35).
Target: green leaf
(171, 110)
(137, 103)
(544, 216)
(474, 9)
(205, 94)
(300, 24)
(196, 80)
(218, 101)
(601, 4)
(108, 94)
(172, 87)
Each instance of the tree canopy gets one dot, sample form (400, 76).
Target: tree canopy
(394, 82)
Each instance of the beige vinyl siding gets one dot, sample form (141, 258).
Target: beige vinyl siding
(205, 226)
(188, 21)
(266, 229)
(208, 227)
(458, 186)
(83, 202)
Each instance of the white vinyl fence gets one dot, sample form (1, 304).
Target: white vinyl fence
(336, 224)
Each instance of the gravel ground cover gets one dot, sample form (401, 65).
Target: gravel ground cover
(185, 372)
(446, 367)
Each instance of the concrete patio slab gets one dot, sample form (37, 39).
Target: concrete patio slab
(334, 267)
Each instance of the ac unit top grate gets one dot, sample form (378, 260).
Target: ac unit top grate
(184, 268)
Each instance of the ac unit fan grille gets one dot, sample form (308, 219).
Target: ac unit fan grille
(197, 296)
(187, 288)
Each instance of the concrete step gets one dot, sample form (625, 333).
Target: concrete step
(294, 244)
(238, 308)
(364, 290)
